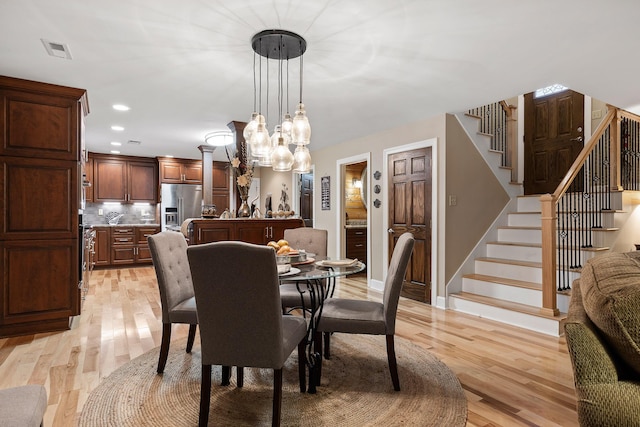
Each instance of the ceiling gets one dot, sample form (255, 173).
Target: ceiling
(186, 67)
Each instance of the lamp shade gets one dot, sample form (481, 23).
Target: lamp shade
(281, 158)
(301, 131)
(301, 159)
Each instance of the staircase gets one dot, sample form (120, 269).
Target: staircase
(506, 284)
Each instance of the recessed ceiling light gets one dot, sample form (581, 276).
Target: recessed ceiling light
(169, 155)
(120, 107)
(115, 152)
(116, 143)
(59, 50)
(117, 128)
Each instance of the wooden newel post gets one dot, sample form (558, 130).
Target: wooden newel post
(549, 250)
(616, 179)
(241, 148)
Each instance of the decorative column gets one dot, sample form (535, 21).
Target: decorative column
(207, 173)
(240, 145)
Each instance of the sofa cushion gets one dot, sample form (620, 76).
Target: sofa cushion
(610, 287)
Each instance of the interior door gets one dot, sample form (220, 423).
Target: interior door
(306, 198)
(553, 138)
(410, 210)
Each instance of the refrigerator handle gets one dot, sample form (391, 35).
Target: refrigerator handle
(180, 211)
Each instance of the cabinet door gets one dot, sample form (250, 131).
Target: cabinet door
(143, 232)
(122, 254)
(102, 247)
(110, 176)
(141, 182)
(88, 189)
(208, 234)
(192, 172)
(170, 172)
(252, 233)
(220, 191)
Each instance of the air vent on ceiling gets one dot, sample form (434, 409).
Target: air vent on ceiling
(59, 50)
(134, 142)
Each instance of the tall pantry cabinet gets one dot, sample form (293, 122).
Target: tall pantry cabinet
(41, 157)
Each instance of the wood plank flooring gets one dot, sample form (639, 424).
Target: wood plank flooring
(511, 377)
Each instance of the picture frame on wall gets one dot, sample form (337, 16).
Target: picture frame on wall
(325, 192)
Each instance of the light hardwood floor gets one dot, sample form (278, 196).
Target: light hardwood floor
(511, 377)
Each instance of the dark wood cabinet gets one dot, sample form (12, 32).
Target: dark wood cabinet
(357, 244)
(88, 180)
(221, 190)
(102, 247)
(180, 171)
(124, 179)
(121, 245)
(40, 153)
(257, 231)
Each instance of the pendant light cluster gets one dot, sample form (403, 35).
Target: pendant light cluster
(273, 149)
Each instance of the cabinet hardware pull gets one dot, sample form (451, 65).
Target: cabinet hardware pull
(359, 245)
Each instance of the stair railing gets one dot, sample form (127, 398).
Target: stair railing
(499, 121)
(576, 206)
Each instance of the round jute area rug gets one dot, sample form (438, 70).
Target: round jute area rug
(356, 390)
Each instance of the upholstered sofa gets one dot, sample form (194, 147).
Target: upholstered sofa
(603, 336)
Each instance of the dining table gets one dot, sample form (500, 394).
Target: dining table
(317, 277)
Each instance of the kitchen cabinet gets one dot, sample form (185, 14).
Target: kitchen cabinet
(357, 243)
(40, 145)
(124, 179)
(257, 231)
(221, 186)
(123, 244)
(102, 247)
(87, 181)
(180, 171)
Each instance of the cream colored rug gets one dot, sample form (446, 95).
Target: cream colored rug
(356, 390)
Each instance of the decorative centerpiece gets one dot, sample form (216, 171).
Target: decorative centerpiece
(244, 175)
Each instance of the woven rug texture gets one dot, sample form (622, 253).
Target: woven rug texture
(356, 390)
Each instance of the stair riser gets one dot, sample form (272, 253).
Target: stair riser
(529, 204)
(525, 220)
(509, 271)
(503, 292)
(519, 253)
(519, 235)
(534, 323)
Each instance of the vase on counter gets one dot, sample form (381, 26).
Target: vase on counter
(244, 211)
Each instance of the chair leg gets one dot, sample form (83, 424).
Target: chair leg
(393, 366)
(164, 346)
(302, 367)
(226, 375)
(277, 397)
(205, 396)
(191, 337)
(317, 347)
(240, 376)
(327, 345)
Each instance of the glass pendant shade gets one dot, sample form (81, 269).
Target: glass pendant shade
(265, 160)
(301, 132)
(250, 128)
(301, 159)
(260, 141)
(287, 125)
(277, 133)
(281, 158)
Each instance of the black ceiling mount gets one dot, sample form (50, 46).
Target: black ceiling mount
(278, 44)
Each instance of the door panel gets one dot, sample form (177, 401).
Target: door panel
(553, 139)
(306, 199)
(410, 211)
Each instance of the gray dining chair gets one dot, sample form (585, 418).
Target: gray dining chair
(312, 240)
(169, 256)
(241, 322)
(369, 317)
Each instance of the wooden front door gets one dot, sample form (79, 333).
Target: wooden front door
(553, 138)
(306, 198)
(410, 210)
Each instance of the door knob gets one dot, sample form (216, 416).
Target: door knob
(390, 231)
(579, 139)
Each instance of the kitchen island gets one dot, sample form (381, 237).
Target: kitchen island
(258, 231)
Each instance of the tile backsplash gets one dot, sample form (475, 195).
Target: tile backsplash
(132, 214)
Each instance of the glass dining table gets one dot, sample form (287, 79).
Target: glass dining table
(318, 280)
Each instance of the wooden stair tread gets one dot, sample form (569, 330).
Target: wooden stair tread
(504, 281)
(511, 262)
(525, 244)
(508, 305)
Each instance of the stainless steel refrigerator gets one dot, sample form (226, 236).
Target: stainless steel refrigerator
(179, 202)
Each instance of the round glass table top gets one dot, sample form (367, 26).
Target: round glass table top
(317, 271)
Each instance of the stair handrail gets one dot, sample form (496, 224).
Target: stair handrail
(548, 203)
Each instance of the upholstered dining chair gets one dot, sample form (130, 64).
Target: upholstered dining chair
(312, 240)
(169, 256)
(241, 323)
(369, 317)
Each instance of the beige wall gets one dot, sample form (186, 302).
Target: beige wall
(461, 172)
(479, 197)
